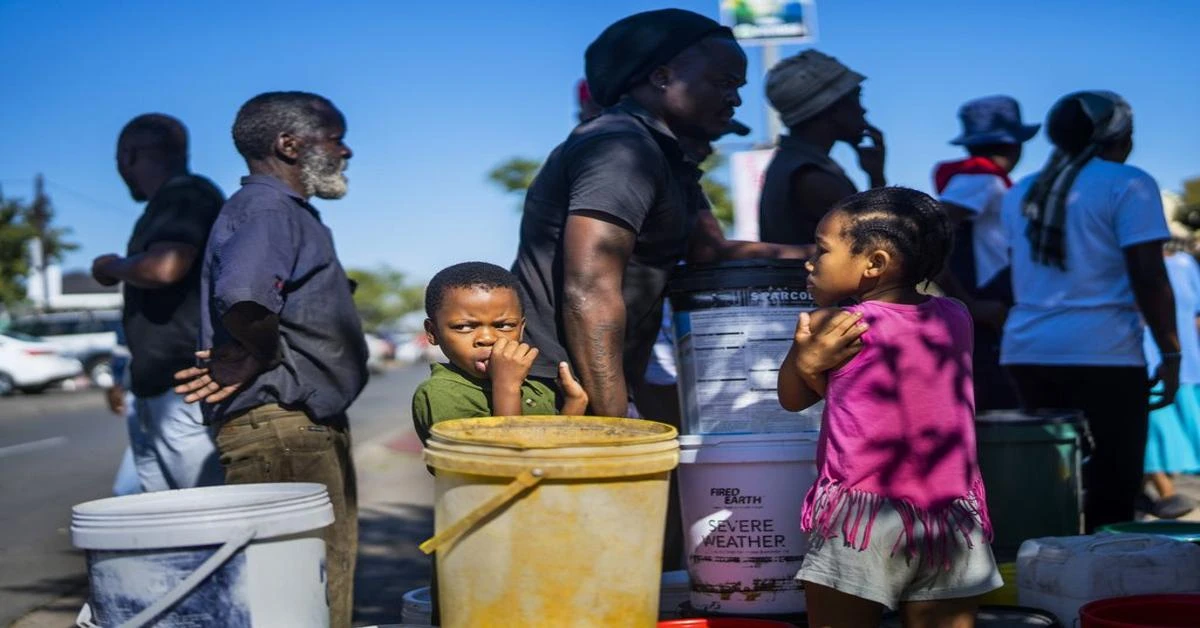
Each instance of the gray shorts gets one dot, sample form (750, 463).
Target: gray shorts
(876, 574)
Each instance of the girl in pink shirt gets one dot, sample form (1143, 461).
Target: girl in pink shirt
(898, 516)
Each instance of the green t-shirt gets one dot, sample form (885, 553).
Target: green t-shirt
(451, 394)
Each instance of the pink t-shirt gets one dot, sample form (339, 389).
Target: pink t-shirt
(899, 428)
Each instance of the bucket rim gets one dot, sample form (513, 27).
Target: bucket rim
(164, 519)
(498, 432)
(1044, 416)
(1157, 599)
(176, 502)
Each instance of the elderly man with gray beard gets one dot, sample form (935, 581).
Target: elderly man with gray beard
(288, 355)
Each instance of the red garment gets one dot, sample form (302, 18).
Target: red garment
(946, 170)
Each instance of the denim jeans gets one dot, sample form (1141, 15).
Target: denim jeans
(172, 447)
(273, 444)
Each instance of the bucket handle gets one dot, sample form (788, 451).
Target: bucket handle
(524, 480)
(185, 586)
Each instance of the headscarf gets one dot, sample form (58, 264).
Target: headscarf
(802, 86)
(1045, 205)
(632, 47)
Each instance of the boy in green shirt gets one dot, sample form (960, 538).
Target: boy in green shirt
(475, 315)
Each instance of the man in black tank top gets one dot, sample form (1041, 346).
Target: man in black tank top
(819, 100)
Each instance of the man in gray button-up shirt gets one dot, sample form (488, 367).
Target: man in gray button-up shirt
(288, 355)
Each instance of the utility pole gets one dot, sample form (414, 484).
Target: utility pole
(39, 217)
(770, 57)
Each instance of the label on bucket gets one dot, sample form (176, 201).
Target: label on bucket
(125, 582)
(743, 538)
(730, 348)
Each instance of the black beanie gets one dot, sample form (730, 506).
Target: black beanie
(631, 48)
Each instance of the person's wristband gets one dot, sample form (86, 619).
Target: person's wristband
(1174, 355)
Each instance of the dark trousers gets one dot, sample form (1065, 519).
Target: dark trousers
(994, 388)
(1115, 402)
(271, 444)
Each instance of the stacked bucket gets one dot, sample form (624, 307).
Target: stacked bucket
(745, 462)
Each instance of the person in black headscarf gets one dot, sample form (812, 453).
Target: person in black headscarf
(618, 205)
(1086, 241)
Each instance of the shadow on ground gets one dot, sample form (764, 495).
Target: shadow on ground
(389, 563)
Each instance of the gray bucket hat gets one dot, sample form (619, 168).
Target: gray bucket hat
(802, 86)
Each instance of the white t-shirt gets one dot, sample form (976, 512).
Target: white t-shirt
(982, 195)
(1086, 314)
(1184, 273)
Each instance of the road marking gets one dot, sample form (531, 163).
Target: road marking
(37, 445)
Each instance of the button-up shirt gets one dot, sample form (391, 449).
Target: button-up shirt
(269, 247)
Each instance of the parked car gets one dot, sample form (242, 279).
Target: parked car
(379, 352)
(88, 336)
(30, 365)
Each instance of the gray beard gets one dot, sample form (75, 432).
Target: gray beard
(321, 175)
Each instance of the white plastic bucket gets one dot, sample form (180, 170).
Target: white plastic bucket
(733, 323)
(741, 497)
(233, 556)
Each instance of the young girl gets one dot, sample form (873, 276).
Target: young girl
(897, 517)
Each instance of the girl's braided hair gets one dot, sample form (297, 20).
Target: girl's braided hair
(903, 221)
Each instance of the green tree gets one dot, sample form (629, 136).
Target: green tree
(718, 193)
(15, 235)
(516, 174)
(1189, 213)
(384, 295)
(20, 223)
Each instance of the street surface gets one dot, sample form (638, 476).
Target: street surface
(62, 448)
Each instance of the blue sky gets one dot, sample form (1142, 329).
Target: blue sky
(436, 93)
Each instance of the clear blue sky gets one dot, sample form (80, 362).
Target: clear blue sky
(438, 92)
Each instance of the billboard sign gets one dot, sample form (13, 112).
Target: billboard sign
(771, 21)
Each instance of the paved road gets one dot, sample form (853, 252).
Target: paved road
(60, 449)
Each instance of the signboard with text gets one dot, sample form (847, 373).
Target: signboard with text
(770, 21)
(746, 172)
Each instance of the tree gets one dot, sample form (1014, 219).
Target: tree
(516, 175)
(1189, 212)
(717, 192)
(21, 223)
(15, 235)
(384, 295)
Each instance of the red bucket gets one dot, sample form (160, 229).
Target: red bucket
(1142, 611)
(724, 622)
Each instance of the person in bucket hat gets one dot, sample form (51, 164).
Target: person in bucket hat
(971, 190)
(819, 100)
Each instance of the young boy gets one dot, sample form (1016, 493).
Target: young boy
(475, 315)
(977, 272)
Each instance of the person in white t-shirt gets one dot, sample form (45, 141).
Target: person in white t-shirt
(1086, 236)
(976, 273)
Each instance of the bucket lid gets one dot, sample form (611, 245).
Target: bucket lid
(1179, 530)
(200, 516)
(736, 274)
(1036, 417)
(1174, 610)
(560, 447)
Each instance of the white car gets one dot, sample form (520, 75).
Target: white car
(380, 352)
(88, 336)
(31, 365)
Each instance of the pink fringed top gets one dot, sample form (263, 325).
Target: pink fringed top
(899, 429)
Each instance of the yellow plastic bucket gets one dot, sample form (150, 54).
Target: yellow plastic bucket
(550, 520)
